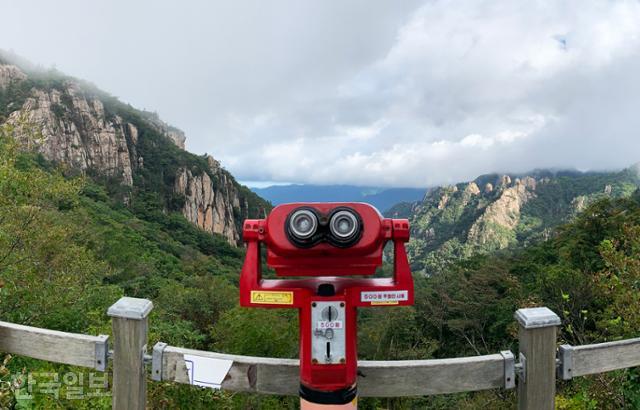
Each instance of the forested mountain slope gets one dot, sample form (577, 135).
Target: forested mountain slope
(68, 251)
(100, 200)
(140, 159)
(588, 272)
(496, 212)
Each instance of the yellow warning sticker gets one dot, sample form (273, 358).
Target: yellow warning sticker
(271, 298)
(386, 302)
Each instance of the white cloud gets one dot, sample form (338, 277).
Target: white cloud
(364, 132)
(474, 87)
(384, 93)
(477, 140)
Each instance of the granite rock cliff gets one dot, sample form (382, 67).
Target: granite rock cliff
(89, 131)
(495, 212)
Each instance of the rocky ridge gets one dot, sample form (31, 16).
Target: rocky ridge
(210, 202)
(92, 132)
(75, 130)
(495, 212)
(174, 134)
(501, 214)
(9, 74)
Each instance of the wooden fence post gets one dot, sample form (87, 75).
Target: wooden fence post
(537, 360)
(129, 324)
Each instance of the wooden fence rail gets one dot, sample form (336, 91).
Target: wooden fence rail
(375, 378)
(54, 346)
(598, 358)
(536, 367)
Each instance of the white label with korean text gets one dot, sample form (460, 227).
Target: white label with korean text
(384, 296)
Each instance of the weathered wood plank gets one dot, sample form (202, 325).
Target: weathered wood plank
(605, 357)
(377, 378)
(248, 374)
(429, 377)
(54, 346)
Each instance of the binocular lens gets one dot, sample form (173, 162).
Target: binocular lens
(303, 224)
(306, 228)
(344, 224)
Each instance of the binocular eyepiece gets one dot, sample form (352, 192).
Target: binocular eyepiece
(325, 238)
(306, 227)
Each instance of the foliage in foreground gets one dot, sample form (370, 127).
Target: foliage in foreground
(68, 251)
(589, 274)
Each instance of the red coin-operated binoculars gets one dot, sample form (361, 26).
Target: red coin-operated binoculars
(329, 243)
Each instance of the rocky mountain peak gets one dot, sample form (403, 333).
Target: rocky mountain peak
(505, 181)
(10, 74)
(90, 131)
(174, 134)
(451, 224)
(502, 214)
(75, 130)
(472, 189)
(214, 164)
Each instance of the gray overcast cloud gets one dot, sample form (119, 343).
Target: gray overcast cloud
(401, 93)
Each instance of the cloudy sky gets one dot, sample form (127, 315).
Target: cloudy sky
(398, 93)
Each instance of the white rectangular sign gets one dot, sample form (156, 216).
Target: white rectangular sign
(206, 371)
(325, 324)
(384, 296)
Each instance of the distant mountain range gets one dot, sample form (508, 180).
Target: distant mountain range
(381, 198)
